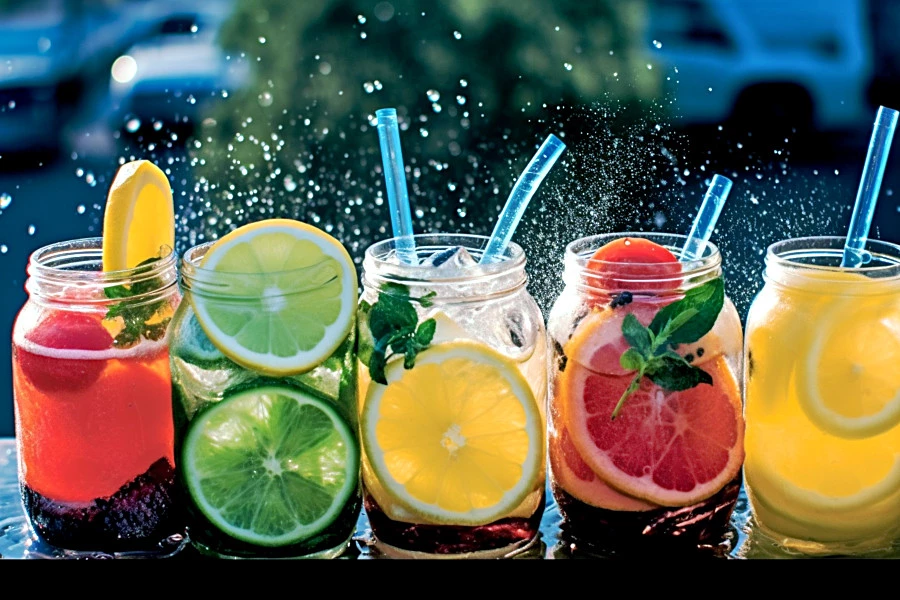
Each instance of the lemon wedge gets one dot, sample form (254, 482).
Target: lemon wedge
(287, 297)
(458, 439)
(139, 218)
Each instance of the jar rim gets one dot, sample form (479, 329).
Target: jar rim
(66, 262)
(789, 252)
(377, 259)
(581, 269)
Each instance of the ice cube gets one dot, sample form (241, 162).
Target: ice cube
(455, 257)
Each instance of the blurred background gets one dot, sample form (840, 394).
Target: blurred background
(265, 108)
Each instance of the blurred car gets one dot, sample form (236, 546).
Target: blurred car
(770, 64)
(168, 80)
(38, 83)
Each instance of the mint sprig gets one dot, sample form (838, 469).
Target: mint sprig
(394, 324)
(652, 349)
(135, 314)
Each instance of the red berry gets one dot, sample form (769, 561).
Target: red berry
(635, 265)
(64, 331)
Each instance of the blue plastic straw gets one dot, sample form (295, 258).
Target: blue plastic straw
(706, 218)
(395, 182)
(521, 194)
(867, 194)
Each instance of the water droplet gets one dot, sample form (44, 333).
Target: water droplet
(89, 179)
(266, 99)
(436, 107)
(12, 104)
(361, 19)
(132, 124)
(451, 186)
(423, 132)
(433, 95)
(3, 248)
(568, 66)
(463, 83)
(657, 43)
(460, 100)
(836, 172)
(289, 184)
(457, 35)
(262, 40)
(649, 66)
(5, 201)
(80, 209)
(377, 85)
(362, 35)
(708, 89)
(31, 229)
(194, 29)
(369, 87)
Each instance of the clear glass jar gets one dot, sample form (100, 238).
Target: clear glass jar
(474, 389)
(666, 468)
(823, 400)
(320, 477)
(93, 404)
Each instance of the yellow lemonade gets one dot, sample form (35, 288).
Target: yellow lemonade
(822, 396)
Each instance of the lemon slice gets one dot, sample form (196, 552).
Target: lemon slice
(287, 296)
(139, 218)
(458, 439)
(850, 376)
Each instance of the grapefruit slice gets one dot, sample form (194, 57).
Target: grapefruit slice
(597, 342)
(635, 265)
(576, 478)
(669, 448)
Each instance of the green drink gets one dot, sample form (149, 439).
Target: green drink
(263, 357)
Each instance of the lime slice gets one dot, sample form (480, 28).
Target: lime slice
(458, 439)
(289, 301)
(271, 466)
(139, 218)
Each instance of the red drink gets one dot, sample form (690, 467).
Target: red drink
(93, 407)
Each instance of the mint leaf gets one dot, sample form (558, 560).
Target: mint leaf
(631, 360)
(395, 329)
(136, 313)
(425, 332)
(391, 313)
(676, 375)
(706, 300)
(377, 362)
(636, 334)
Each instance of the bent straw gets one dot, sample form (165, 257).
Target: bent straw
(869, 184)
(706, 218)
(395, 183)
(521, 195)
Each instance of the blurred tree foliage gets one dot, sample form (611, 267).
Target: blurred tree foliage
(505, 69)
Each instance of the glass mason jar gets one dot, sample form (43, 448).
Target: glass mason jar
(93, 405)
(823, 399)
(452, 401)
(233, 424)
(661, 466)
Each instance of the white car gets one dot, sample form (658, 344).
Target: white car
(772, 63)
(168, 79)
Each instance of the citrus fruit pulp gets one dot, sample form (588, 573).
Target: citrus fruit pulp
(139, 217)
(458, 439)
(271, 466)
(635, 265)
(669, 448)
(290, 299)
(576, 478)
(849, 377)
